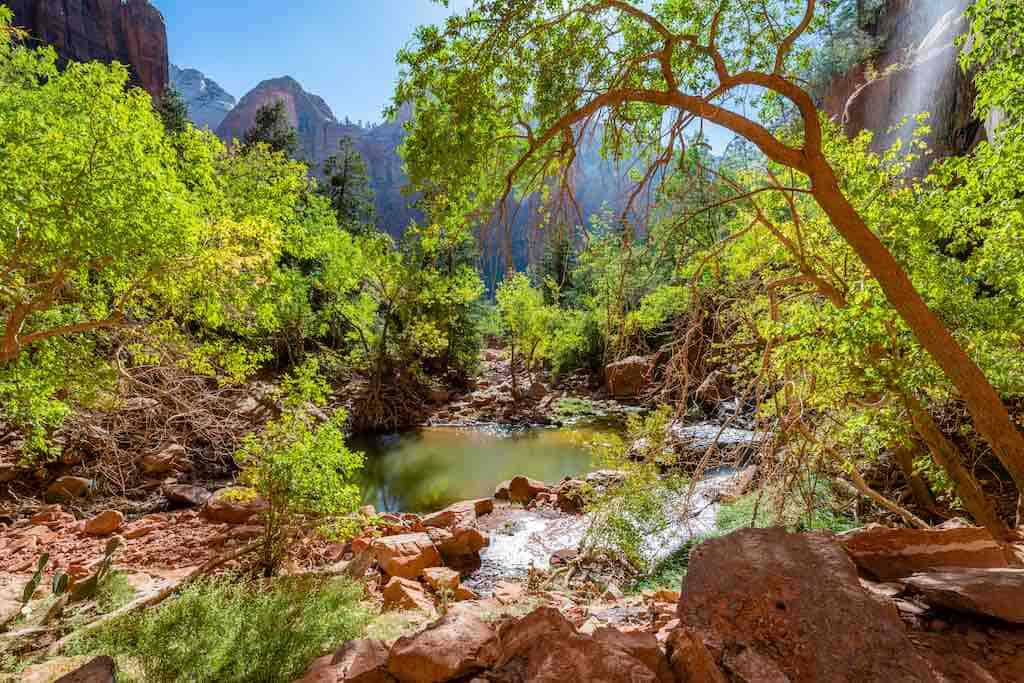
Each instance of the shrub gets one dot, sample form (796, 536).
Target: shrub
(220, 630)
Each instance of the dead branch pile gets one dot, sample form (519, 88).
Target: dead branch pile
(157, 407)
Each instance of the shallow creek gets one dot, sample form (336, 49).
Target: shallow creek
(428, 469)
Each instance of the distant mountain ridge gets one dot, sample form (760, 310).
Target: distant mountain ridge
(208, 103)
(319, 132)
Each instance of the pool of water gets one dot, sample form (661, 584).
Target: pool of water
(428, 469)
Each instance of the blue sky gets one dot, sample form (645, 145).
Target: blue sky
(342, 50)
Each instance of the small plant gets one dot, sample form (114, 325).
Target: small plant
(231, 632)
(37, 578)
(87, 589)
(302, 469)
(627, 514)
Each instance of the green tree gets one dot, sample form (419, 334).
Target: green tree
(501, 91)
(302, 469)
(273, 129)
(172, 111)
(526, 322)
(347, 185)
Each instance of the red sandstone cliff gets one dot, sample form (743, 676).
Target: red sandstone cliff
(131, 32)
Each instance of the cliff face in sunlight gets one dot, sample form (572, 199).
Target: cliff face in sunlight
(131, 32)
(319, 133)
(918, 43)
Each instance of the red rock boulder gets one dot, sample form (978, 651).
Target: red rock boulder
(628, 377)
(357, 661)
(458, 644)
(406, 555)
(404, 594)
(889, 554)
(233, 506)
(524, 489)
(996, 593)
(769, 604)
(104, 524)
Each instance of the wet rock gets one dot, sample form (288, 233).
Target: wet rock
(441, 579)
(509, 593)
(99, 670)
(233, 506)
(524, 489)
(784, 597)
(996, 593)
(406, 555)
(571, 496)
(628, 377)
(439, 395)
(714, 389)
(465, 542)
(185, 495)
(501, 490)
(104, 524)
(458, 644)
(889, 554)
(402, 593)
(171, 459)
(483, 506)
(68, 488)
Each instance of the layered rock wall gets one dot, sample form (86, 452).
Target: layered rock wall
(131, 32)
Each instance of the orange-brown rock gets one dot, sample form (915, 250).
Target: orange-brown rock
(457, 515)
(105, 523)
(457, 645)
(171, 459)
(441, 579)
(543, 647)
(889, 554)
(402, 593)
(52, 516)
(524, 489)
(461, 543)
(628, 377)
(996, 593)
(233, 506)
(406, 555)
(68, 488)
(357, 661)
(99, 670)
(785, 597)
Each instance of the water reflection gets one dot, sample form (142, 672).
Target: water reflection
(428, 469)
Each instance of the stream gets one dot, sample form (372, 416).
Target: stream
(428, 469)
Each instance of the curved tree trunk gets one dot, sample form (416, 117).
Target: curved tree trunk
(989, 413)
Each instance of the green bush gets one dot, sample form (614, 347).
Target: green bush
(224, 631)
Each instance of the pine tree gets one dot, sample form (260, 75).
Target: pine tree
(347, 185)
(172, 111)
(273, 129)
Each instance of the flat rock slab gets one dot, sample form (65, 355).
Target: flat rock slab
(890, 554)
(795, 603)
(997, 593)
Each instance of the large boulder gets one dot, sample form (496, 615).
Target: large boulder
(171, 459)
(458, 644)
(628, 377)
(543, 647)
(405, 555)
(457, 515)
(889, 554)
(460, 544)
(771, 605)
(357, 661)
(442, 579)
(997, 593)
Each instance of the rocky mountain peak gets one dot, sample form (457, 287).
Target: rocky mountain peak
(208, 103)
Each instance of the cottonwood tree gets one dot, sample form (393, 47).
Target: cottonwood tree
(505, 92)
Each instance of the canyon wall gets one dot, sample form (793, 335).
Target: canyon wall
(131, 32)
(918, 47)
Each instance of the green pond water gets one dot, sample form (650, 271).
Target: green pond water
(428, 469)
